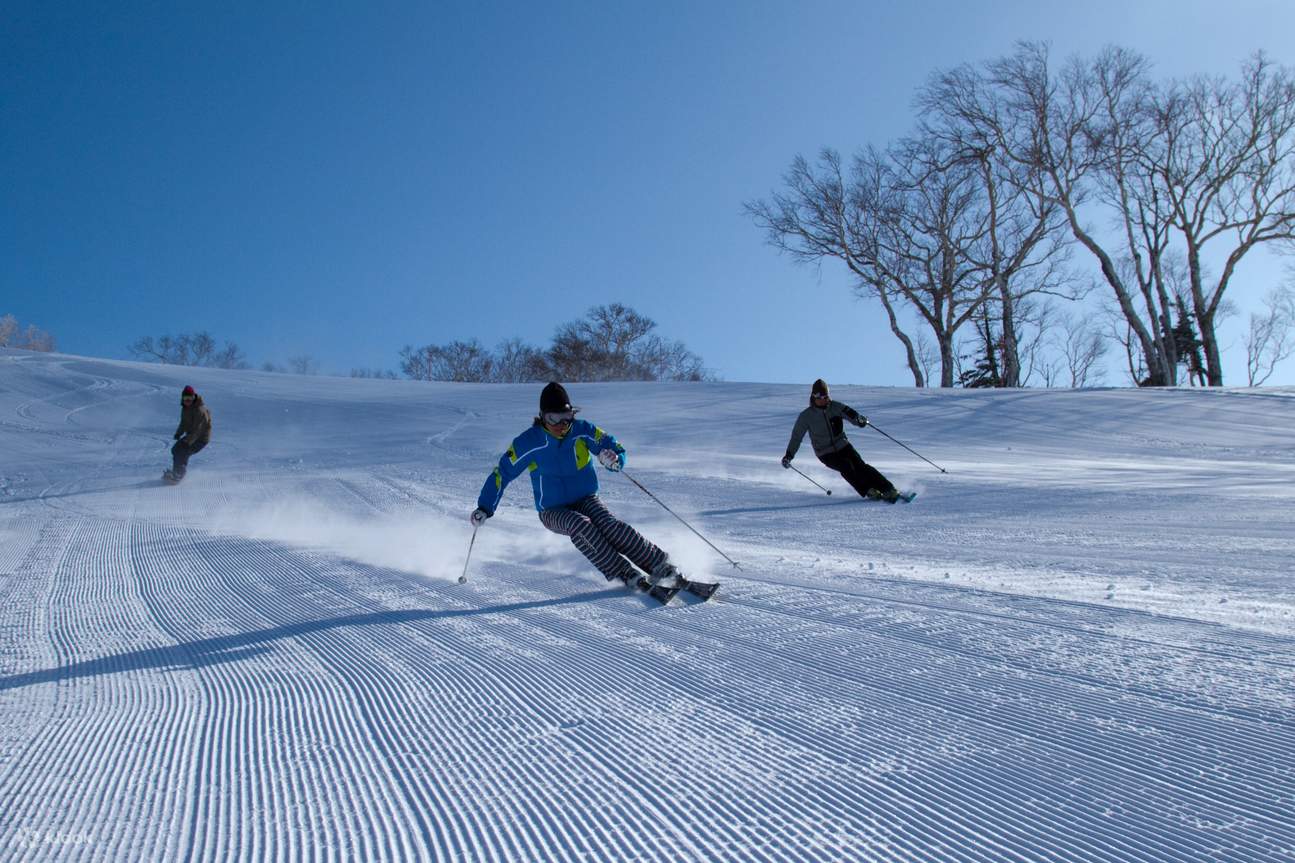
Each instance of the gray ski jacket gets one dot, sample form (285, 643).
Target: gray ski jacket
(826, 427)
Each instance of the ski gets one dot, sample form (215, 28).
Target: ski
(658, 592)
(663, 593)
(702, 589)
(905, 496)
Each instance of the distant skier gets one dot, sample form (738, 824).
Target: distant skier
(824, 419)
(559, 451)
(193, 433)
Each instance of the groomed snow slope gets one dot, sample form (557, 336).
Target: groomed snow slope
(1078, 645)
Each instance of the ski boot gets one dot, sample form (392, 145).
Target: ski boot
(666, 574)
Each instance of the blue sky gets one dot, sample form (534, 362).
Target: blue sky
(342, 179)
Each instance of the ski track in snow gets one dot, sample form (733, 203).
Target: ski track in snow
(233, 668)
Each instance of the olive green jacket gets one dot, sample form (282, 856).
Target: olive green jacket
(826, 427)
(195, 422)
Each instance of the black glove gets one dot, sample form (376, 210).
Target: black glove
(862, 421)
(177, 436)
(786, 461)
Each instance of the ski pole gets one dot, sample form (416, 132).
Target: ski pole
(907, 447)
(463, 579)
(676, 515)
(811, 479)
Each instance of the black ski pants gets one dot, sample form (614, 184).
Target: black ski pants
(857, 472)
(602, 537)
(180, 454)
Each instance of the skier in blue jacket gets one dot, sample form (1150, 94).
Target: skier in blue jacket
(559, 451)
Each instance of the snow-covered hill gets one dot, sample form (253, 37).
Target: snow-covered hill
(1079, 644)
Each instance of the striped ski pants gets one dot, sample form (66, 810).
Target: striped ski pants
(602, 537)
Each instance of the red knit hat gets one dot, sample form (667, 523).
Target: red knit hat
(188, 391)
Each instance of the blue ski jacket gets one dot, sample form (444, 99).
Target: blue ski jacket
(563, 469)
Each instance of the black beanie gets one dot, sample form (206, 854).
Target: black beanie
(819, 388)
(554, 399)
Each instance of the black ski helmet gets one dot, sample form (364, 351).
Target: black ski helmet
(819, 388)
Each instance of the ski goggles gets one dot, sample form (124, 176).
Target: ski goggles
(557, 418)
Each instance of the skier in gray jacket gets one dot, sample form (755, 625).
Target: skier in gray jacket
(824, 419)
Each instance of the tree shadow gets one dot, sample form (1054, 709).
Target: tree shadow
(149, 483)
(235, 648)
(855, 499)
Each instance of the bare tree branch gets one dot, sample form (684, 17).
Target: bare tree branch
(196, 349)
(1269, 340)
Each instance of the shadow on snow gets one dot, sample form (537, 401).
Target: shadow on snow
(853, 499)
(87, 491)
(235, 648)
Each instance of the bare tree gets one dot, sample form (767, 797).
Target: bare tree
(36, 339)
(1269, 340)
(614, 329)
(614, 342)
(1036, 319)
(935, 242)
(415, 363)
(381, 374)
(8, 330)
(574, 358)
(941, 222)
(611, 342)
(818, 218)
(925, 355)
(1039, 347)
(457, 361)
(902, 228)
(1204, 162)
(967, 213)
(196, 349)
(466, 361)
(1124, 141)
(517, 362)
(1119, 332)
(604, 345)
(1228, 173)
(1083, 346)
(164, 350)
(1023, 252)
(303, 364)
(1085, 129)
(32, 338)
(665, 360)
